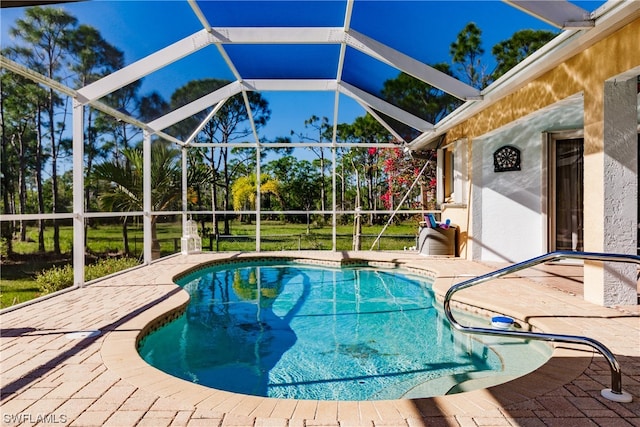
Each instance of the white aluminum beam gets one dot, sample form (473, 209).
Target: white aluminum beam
(201, 126)
(78, 194)
(336, 110)
(196, 9)
(300, 212)
(334, 196)
(35, 217)
(17, 68)
(147, 242)
(559, 13)
(277, 35)
(343, 45)
(207, 26)
(284, 85)
(384, 124)
(254, 129)
(229, 62)
(302, 144)
(347, 15)
(146, 65)
(412, 66)
(196, 106)
(184, 162)
(334, 134)
(57, 86)
(341, 56)
(258, 172)
(112, 214)
(128, 119)
(337, 35)
(384, 107)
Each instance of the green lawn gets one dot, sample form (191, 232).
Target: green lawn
(17, 279)
(14, 292)
(17, 276)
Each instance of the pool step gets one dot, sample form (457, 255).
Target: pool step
(456, 383)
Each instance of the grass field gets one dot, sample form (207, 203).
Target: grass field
(17, 277)
(17, 282)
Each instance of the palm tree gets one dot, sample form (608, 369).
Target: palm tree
(244, 191)
(126, 192)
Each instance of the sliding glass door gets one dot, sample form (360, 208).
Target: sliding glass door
(567, 187)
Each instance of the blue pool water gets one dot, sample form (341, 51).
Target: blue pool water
(305, 332)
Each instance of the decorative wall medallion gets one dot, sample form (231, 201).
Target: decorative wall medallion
(506, 158)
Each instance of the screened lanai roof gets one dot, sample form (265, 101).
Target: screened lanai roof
(345, 49)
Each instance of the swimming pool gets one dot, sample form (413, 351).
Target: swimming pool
(291, 330)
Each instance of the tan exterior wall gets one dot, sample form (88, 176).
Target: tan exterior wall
(583, 73)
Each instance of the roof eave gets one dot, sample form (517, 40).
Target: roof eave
(611, 16)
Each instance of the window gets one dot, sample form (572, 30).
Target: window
(452, 173)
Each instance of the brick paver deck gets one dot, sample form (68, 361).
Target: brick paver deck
(48, 378)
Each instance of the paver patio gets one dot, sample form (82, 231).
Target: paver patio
(50, 379)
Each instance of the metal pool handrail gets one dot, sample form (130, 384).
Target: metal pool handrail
(615, 393)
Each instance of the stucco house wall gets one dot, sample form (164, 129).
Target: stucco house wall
(507, 220)
(509, 215)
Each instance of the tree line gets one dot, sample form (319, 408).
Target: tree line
(35, 139)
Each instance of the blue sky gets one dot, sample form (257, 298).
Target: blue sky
(141, 27)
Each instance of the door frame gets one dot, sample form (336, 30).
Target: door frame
(548, 181)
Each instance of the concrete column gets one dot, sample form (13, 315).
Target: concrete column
(611, 190)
